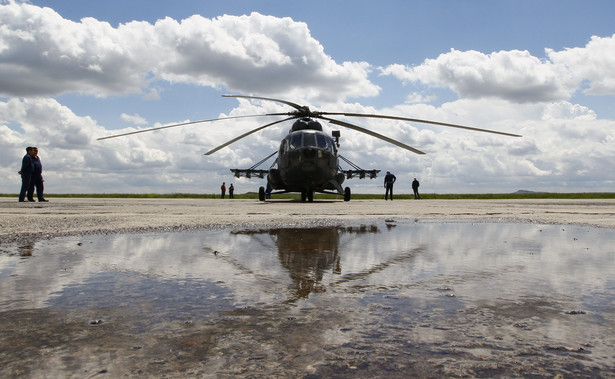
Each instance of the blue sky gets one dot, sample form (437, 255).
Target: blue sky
(82, 70)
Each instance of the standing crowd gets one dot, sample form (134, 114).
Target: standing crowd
(31, 176)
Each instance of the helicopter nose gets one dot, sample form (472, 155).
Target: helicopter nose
(309, 154)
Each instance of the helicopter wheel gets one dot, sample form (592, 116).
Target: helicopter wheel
(261, 194)
(347, 194)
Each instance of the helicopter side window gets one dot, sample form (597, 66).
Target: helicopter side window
(284, 146)
(309, 140)
(295, 141)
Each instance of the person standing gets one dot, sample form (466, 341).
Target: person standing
(268, 190)
(27, 167)
(389, 180)
(415, 188)
(37, 178)
(223, 190)
(231, 189)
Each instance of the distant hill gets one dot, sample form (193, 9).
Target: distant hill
(526, 191)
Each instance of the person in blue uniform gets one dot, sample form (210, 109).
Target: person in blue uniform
(389, 180)
(37, 178)
(27, 167)
(268, 190)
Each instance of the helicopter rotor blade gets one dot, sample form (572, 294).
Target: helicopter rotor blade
(246, 134)
(296, 106)
(187, 123)
(373, 134)
(421, 121)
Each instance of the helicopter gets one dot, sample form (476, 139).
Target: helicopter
(308, 159)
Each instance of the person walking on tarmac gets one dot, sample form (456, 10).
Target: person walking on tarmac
(37, 178)
(389, 179)
(415, 188)
(223, 190)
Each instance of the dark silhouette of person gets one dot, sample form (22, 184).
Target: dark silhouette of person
(231, 189)
(37, 178)
(27, 167)
(268, 190)
(415, 188)
(389, 180)
(223, 190)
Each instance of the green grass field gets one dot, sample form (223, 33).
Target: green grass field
(426, 196)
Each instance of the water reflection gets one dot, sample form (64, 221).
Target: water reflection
(526, 288)
(246, 268)
(307, 254)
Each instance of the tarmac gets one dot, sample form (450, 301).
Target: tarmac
(79, 216)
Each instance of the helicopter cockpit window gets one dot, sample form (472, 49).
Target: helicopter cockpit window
(321, 141)
(309, 140)
(295, 141)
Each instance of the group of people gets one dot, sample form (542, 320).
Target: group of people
(231, 191)
(31, 176)
(389, 179)
(32, 179)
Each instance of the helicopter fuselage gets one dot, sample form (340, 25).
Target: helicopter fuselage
(307, 161)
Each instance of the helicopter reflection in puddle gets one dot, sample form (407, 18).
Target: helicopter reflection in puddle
(308, 254)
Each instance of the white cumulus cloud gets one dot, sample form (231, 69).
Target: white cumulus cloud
(518, 76)
(565, 146)
(43, 54)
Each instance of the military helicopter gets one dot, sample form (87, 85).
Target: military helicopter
(308, 159)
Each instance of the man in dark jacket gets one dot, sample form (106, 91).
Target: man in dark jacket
(415, 188)
(27, 167)
(37, 178)
(389, 179)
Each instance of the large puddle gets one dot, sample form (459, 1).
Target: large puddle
(382, 299)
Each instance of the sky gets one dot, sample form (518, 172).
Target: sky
(71, 72)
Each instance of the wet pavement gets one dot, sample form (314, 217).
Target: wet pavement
(383, 298)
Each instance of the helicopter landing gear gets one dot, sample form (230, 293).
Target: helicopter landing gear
(307, 195)
(347, 194)
(261, 194)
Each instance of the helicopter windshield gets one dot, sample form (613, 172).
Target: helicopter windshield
(316, 140)
(309, 140)
(321, 141)
(295, 141)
